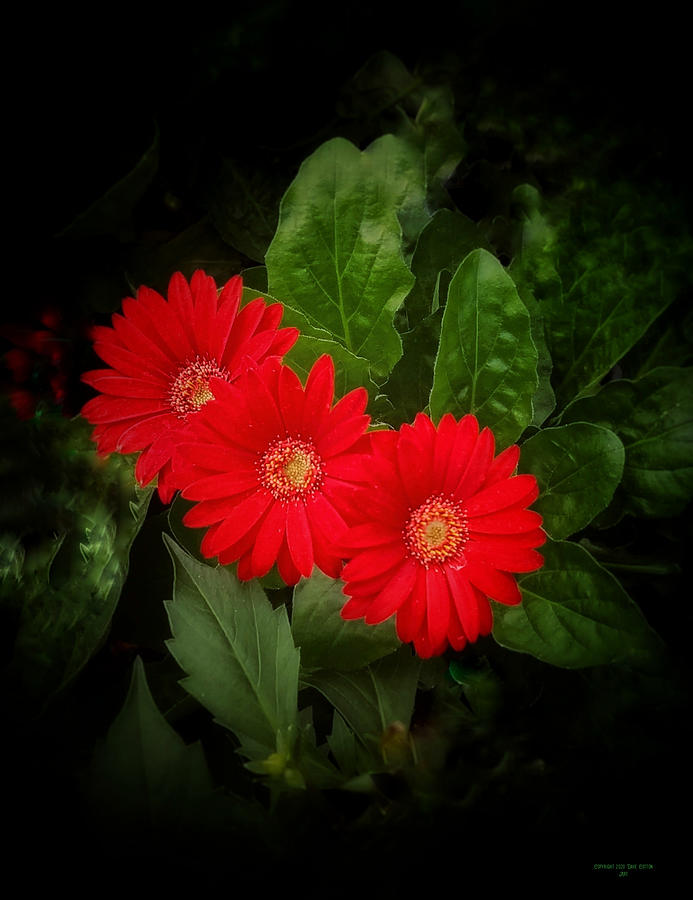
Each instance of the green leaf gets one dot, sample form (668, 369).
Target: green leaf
(337, 254)
(400, 168)
(328, 641)
(243, 206)
(487, 362)
(374, 698)
(437, 134)
(578, 468)
(442, 245)
(620, 271)
(575, 614)
(409, 385)
(143, 771)
(653, 416)
(237, 652)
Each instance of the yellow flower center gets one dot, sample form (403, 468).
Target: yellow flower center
(436, 531)
(190, 388)
(290, 469)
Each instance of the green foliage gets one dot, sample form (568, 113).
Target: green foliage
(574, 614)
(577, 468)
(487, 362)
(143, 773)
(602, 276)
(653, 416)
(337, 254)
(328, 641)
(374, 698)
(65, 568)
(556, 317)
(237, 653)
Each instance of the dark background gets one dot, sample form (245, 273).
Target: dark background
(91, 90)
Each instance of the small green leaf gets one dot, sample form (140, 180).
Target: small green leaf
(337, 254)
(143, 771)
(442, 245)
(328, 641)
(237, 652)
(487, 361)
(575, 614)
(438, 136)
(409, 385)
(373, 698)
(578, 468)
(653, 416)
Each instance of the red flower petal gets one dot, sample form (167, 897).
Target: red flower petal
(223, 484)
(246, 514)
(210, 511)
(393, 596)
(465, 440)
(287, 569)
(477, 467)
(437, 606)
(298, 538)
(291, 400)
(465, 601)
(411, 616)
(370, 534)
(318, 396)
(355, 608)
(506, 521)
(109, 382)
(503, 465)
(342, 437)
(522, 489)
(499, 586)
(143, 433)
(103, 410)
(269, 539)
(510, 559)
(374, 562)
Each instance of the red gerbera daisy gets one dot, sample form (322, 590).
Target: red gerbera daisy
(442, 526)
(274, 467)
(163, 355)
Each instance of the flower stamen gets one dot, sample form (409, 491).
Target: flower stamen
(190, 388)
(290, 469)
(436, 531)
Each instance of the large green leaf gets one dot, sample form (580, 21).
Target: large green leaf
(578, 468)
(337, 254)
(653, 416)
(143, 772)
(574, 614)
(487, 361)
(237, 652)
(374, 698)
(328, 641)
